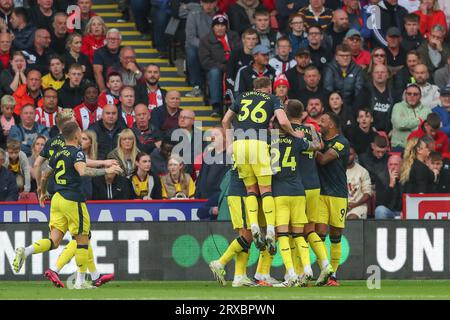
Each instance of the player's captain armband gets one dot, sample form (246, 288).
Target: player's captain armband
(338, 146)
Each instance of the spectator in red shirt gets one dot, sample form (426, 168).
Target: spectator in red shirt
(431, 127)
(5, 49)
(430, 16)
(355, 42)
(94, 37)
(111, 96)
(46, 115)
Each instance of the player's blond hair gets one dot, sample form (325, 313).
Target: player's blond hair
(63, 117)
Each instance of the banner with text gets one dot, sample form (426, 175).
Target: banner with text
(426, 206)
(109, 211)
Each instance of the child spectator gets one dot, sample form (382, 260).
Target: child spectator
(56, 77)
(17, 162)
(282, 61)
(431, 127)
(281, 88)
(441, 172)
(177, 183)
(362, 135)
(7, 118)
(146, 185)
(111, 96)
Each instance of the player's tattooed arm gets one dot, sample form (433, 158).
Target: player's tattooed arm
(316, 143)
(94, 172)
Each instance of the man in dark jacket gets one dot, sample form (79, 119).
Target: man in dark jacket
(147, 136)
(344, 75)
(260, 67)
(111, 187)
(337, 30)
(241, 14)
(71, 93)
(23, 31)
(391, 15)
(149, 91)
(296, 75)
(375, 160)
(8, 185)
(165, 117)
(107, 130)
(214, 51)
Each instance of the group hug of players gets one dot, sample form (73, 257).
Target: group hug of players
(64, 162)
(291, 182)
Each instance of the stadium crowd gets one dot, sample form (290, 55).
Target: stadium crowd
(382, 66)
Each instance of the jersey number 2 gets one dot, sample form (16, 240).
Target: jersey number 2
(61, 169)
(257, 115)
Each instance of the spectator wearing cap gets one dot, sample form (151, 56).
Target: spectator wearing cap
(435, 51)
(22, 29)
(344, 75)
(391, 15)
(149, 91)
(395, 55)
(242, 14)
(313, 88)
(406, 116)
(106, 56)
(430, 127)
(260, 67)
(442, 75)
(281, 62)
(443, 110)
(337, 30)
(89, 111)
(214, 52)
(319, 54)
(354, 40)
(71, 93)
(316, 14)
(430, 92)
(296, 74)
(281, 87)
(241, 56)
(198, 25)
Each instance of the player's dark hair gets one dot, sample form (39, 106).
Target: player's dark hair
(262, 82)
(380, 141)
(435, 156)
(69, 130)
(335, 119)
(294, 108)
(434, 120)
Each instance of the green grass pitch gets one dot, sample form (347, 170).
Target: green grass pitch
(202, 290)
